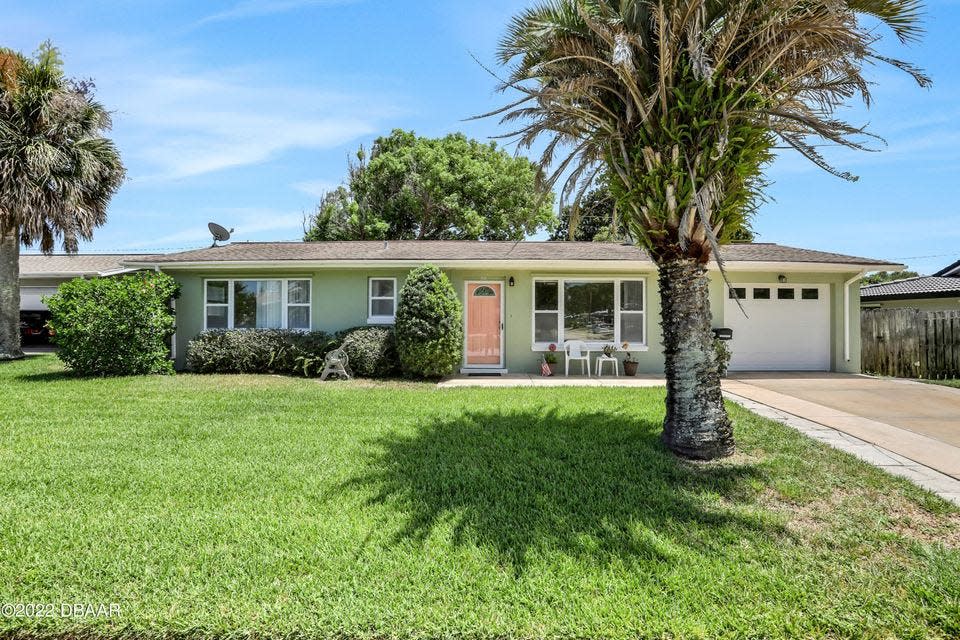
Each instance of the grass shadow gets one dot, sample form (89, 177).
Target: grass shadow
(598, 486)
(47, 376)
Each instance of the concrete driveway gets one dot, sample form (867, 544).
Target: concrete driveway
(916, 420)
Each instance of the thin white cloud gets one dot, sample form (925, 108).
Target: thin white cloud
(315, 188)
(181, 125)
(258, 8)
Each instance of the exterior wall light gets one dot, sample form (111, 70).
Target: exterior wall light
(511, 281)
(782, 278)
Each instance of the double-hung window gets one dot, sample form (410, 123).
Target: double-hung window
(298, 304)
(632, 313)
(546, 312)
(598, 312)
(257, 304)
(382, 306)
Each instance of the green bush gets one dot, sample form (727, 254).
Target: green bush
(372, 351)
(114, 326)
(429, 324)
(255, 350)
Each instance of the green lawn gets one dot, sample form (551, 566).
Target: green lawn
(257, 505)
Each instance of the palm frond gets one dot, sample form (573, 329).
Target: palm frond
(680, 103)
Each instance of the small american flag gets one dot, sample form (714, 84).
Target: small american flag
(545, 368)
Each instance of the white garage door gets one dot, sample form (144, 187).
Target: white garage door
(787, 327)
(30, 297)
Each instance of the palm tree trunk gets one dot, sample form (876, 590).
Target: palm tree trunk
(696, 424)
(10, 296)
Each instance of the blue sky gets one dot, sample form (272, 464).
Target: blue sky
(244, 111)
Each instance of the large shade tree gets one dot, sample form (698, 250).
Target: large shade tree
(57, 171)
(681, 103)
(450, 188)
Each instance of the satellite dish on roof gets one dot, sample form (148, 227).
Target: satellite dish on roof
(219, 233)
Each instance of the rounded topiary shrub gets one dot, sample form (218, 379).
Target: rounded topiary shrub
(372, 351)
(429, 324)
(114, 326)
(255, 351)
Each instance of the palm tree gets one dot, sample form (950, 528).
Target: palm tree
(57, 172)
(681, 104)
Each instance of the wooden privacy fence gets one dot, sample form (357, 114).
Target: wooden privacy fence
(909, 343)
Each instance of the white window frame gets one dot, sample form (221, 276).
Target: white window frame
(372, 319)
(592, 345)
(558, 312)
(284, 285)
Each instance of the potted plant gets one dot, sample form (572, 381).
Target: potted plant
(550, 358)
(629, 362)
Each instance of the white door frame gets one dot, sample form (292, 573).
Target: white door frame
(466, 302)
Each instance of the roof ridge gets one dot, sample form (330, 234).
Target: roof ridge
(81, 255)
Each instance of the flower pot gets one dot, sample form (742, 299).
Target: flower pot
(630, 368)
(553, 368)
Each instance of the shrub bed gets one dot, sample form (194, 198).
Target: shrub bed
(114, 326)
(255, 350)
(372, 351)
(429, 324)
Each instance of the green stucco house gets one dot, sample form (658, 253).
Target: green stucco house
(800, 307)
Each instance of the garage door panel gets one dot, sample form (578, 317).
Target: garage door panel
(31, 298)
(786, 327)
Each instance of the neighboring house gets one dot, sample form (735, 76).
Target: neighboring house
(939, 292)
(802, 307)
(40, 275)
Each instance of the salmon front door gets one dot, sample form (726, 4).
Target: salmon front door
(484, 324)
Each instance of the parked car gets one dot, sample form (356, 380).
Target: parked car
(33, 327)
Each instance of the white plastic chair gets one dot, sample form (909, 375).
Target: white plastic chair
(336, 362)
(577, 350)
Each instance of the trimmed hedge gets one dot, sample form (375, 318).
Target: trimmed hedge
(372, 351)
(255, 350)
(429, 324)
(114, 326)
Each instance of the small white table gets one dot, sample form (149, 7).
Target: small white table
(603, 359)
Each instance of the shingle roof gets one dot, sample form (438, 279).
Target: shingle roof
(450, 250)
(75, 265)
(922, 287)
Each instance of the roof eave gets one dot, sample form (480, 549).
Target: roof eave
(58, 274)
(825, 267)
(932, 295)
(588, 265)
